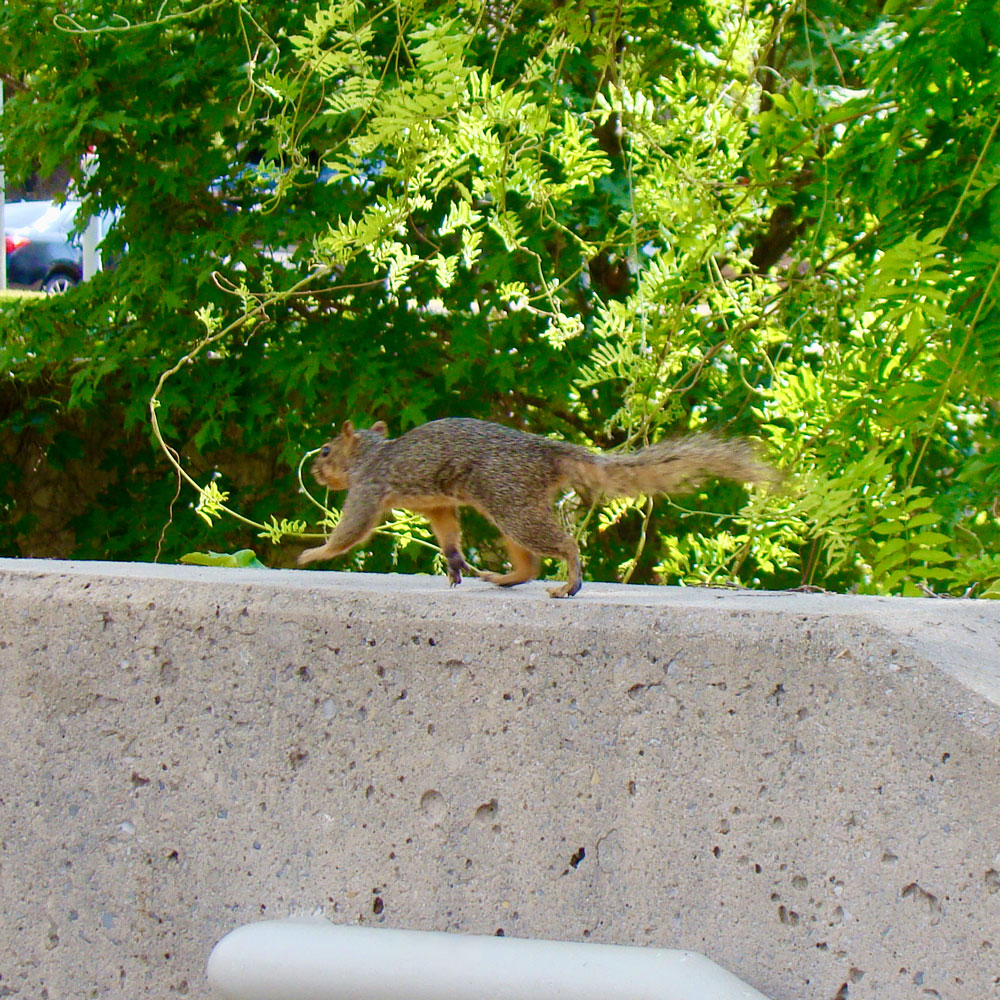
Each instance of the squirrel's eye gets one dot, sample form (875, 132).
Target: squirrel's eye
(325, 451)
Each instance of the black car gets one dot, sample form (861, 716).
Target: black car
(42, 250)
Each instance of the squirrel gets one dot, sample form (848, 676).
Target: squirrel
(509, 476)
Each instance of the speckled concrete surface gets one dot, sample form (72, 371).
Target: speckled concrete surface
(804, 788)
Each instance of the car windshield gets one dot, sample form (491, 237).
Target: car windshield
(51, 218)
(17, 214)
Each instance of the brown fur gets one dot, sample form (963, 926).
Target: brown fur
(510, 477)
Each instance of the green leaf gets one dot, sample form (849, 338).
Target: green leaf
(241, 559)
(889, 527)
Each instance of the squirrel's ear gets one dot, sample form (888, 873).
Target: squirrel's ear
(380, 428)
(347, 429)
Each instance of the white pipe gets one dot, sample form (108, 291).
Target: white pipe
(317, 960)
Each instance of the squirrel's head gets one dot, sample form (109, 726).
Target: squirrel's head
(330, 467)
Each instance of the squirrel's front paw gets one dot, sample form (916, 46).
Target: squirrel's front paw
(312, 555)
(456, 563)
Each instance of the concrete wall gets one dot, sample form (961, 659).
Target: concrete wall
(804, 788)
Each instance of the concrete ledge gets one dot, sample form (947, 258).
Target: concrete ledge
(803, 788)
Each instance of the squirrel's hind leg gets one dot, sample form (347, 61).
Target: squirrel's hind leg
(524, 566)
(537, 532)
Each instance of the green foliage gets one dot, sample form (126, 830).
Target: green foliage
(245, 558)
(608, 224)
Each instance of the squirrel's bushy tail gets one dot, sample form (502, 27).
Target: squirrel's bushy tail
(671, 466)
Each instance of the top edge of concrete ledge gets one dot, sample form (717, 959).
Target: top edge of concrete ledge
(906, 610)
(960, 637)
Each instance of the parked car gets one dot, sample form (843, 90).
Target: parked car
(42, 250)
